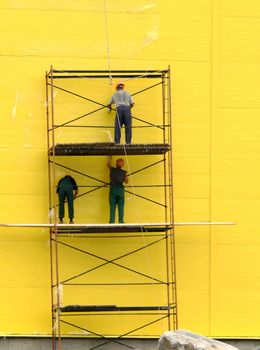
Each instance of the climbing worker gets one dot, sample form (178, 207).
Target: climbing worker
(117, 193)
(67, 189)
(123, 102)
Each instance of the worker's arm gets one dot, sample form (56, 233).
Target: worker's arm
(111, 101)
(109, 160)
(131, 101)
(74, 187)
(76, 193)
(126, 179)
(58, 187)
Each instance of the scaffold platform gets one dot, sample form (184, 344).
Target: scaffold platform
(112, 228)
(107, 149)
(111, 308)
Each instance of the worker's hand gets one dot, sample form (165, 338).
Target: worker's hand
(109, 108)
(109, 159)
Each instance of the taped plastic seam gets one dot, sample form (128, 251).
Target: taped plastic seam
(51, 213)
(151, 36)
(145, 7)
(143, 33)
(14, 109)
(60, 293)
(59, 298)
(56, 324)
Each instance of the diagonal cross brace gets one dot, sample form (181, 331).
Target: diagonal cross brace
(102, 107)
(113, 261)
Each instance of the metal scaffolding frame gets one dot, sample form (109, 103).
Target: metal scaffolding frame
(157, 233)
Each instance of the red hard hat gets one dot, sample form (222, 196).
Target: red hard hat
(120, 83)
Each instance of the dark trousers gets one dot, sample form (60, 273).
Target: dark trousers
(66, 193)
(123, 117)
(116, 198)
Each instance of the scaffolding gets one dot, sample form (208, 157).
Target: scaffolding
(146, 235)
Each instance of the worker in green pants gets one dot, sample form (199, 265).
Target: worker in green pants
(117, 193)
(67, 189)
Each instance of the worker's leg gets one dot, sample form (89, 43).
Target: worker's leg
(121, 205)
(62, 195)
(112, 205)
(128, 124)
(70, 198)
(118, 124)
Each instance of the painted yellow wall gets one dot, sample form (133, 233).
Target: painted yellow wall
(212, 47)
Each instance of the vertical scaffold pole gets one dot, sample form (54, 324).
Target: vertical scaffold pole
(50, 201)
(53, 231)
(171, 204)
(165, 181)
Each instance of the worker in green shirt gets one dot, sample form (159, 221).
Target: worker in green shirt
(67, 189)
(117, 194)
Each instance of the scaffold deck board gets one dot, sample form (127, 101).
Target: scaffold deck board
(107, 148)
(113, 228)
(107, 308)
(76, 73)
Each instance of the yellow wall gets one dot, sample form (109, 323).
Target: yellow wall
(212, 47)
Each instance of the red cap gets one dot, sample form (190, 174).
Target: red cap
(120, 83)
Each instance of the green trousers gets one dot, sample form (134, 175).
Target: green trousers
(116, 198)
(66, 192)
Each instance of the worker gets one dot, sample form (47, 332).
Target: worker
(117, 194)
(67, 189)
(123, 102)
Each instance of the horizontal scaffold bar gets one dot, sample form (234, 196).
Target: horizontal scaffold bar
(109, 72)
(192, 223)
(82, 73)
(104, 76)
